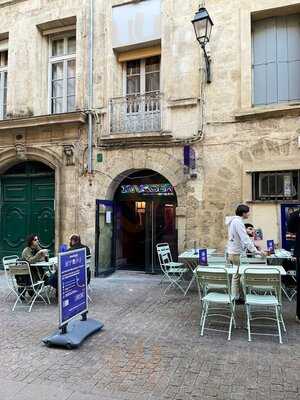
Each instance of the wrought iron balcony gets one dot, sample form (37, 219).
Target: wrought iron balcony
(135, 113)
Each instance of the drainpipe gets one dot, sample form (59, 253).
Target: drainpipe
(90, 87)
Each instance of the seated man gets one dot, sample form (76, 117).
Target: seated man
(251, 233)
(75, 243)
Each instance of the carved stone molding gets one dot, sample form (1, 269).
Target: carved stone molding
(69, 154)
(20, 151)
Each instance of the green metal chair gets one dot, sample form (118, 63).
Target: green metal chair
(8, 261)
(173, 272)
(22, 269)
(262, 290)
(214, 301)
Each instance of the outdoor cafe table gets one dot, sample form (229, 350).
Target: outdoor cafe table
(45, 266)
(233, 269)
(191, 260)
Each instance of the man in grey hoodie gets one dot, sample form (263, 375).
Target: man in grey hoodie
(238, 242)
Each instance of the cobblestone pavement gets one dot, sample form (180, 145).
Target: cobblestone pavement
(150, 349)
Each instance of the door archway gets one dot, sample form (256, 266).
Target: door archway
(145, 214)
(27, 206)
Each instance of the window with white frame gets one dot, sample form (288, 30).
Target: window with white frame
(143, 76)
(142, 85)
(3, 83)
(62, 74)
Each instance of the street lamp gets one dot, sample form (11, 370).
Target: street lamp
(203, 26)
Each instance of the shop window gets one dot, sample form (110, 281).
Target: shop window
(3, 83)
(281, 185)
(62, 73)
(276, 60)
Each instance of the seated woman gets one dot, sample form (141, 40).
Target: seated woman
(32, 253)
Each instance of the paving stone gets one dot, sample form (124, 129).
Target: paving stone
(150, 349)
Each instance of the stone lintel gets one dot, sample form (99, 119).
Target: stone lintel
(268, 112)
(283, 201)
(74, 118)
(184, 102)
(155, 137)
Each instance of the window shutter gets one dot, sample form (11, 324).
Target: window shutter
(293, 51)
(276, 60)
(282, 59)
(264, 62)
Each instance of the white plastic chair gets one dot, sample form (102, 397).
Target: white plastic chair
(22, 269)
(7, 261)
(209, 280)
(173, 272)
(268, 280)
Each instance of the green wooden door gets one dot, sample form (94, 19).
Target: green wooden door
(27, 206)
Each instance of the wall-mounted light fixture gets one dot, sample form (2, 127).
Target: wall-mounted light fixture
(203, 25)
(140, 209)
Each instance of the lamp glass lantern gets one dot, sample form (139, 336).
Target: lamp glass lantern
(203, 26)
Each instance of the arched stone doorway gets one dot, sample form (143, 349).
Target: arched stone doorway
(144, 214)
(27, 206)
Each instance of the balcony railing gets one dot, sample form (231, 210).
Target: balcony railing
(135, 113)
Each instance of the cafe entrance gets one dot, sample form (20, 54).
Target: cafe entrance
(145, 214)
(141, 214)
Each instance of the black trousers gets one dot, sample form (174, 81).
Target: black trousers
(298, 287)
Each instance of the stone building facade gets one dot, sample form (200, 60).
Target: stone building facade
(149, 99)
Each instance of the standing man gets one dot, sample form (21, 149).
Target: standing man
(294, 227)
(238, 243)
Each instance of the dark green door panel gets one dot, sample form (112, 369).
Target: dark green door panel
(14, 221)
(42, 223)
(27, 206)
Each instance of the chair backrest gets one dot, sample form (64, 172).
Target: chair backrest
(164, 254)
(268, 278)
(217, 260)
(9, 260)
(208, 277)
(88, 261)
(253, 260)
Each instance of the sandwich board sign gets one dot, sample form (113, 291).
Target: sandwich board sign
(73, 302)
(72, 285)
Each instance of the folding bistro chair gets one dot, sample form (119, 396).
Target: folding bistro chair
(290, 292)
(214, 302)
(173, 272)
(7, 262)
(88, 265)
(254, 282)
(22, 269)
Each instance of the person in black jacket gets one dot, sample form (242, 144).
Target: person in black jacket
(294, 227)
(75, 243)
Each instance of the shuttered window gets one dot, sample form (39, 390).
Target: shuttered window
(276, 60)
